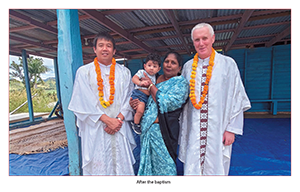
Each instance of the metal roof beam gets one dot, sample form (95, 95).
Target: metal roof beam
(130, 50)
(270, 14)
(224, 19)
(162, 38)
(267, 25)
(99, 17)
(116, 11)
(23, 28)
(246, 15)
(80, 17)
(278, 37)
(18, 52)
(247, 45)
(177, 29)
(31, 42)
(30, 21)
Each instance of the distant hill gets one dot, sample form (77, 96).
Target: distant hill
(49, 78)
(49, 84)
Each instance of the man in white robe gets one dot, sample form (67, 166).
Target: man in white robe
(106, 138)
(226, 101)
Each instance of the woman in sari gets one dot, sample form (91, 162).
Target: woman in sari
(160, 124)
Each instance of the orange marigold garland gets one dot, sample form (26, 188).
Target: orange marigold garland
(104, 103)
(193, 81)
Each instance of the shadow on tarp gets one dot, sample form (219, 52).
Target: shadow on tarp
(264, 149)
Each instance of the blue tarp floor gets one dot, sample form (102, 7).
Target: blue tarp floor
(264, 149)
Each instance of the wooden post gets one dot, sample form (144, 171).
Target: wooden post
(69, 60)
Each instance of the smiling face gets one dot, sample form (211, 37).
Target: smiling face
(203, 41)
(104, 51)
(171, 66)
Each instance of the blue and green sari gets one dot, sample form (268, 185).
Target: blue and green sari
(159, 141)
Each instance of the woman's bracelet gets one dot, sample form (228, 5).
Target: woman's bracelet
(150, 86)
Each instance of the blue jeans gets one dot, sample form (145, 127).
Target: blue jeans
(137, 94)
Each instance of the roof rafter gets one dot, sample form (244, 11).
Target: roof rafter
(99, 17)
(278, 37)
(177, 29)
(159, 33)
(36, 53)
(26, 41)
(30, 21)
(23, 28)
(246, 15)
(116, 11)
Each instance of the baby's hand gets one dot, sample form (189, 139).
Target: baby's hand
(145, 83)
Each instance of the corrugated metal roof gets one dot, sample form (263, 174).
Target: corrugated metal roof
(143, 24)
(225, 26)
(42, 15)
(220, 44)
(172, 41)
(120, 39)
(192, 14)
(223, 36)
(92, 26)
(154, 44)
(269, 21)
(227, 12)
(19, 35)
(152, 17)
(147, 36)
(254, 40)
(263, 31)
(168, 33)
(12, 43)
(126, 20)
(127, 46)
(15, 23)
(37, 35)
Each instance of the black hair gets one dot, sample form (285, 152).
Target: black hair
(106, 36)
(153, 57)
(177, 55)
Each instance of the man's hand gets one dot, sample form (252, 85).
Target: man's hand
(113, 125)
(109, 131)
(228, 138)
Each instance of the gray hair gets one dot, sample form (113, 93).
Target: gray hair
(201, 25)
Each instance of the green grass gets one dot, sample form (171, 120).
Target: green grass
(46, 94)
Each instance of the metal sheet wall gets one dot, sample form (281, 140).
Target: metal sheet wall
(265, 72)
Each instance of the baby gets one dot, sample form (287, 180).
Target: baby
(151, 68)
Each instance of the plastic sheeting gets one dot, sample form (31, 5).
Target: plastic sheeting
(264, 149)
(52, 163)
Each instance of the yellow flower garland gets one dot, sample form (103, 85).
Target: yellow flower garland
(193, 81)
(106, 104)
